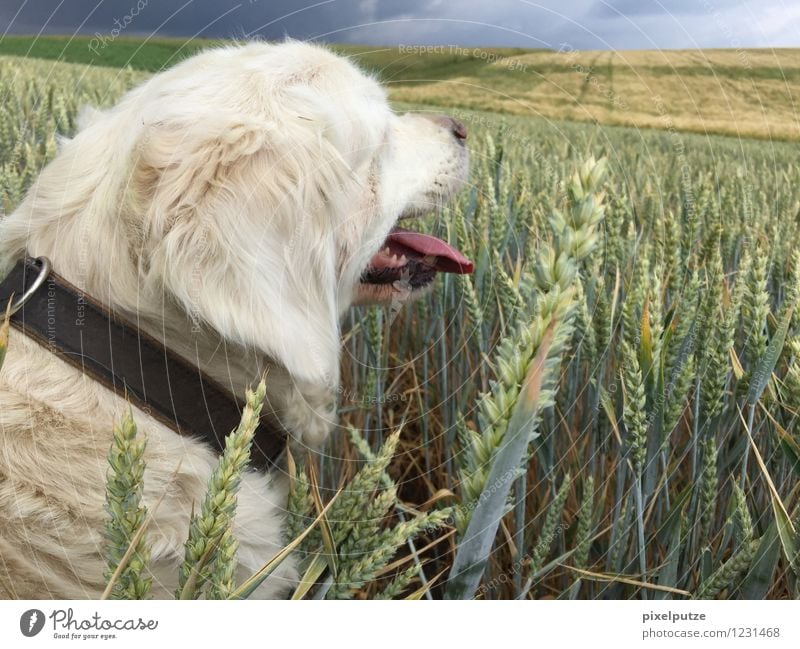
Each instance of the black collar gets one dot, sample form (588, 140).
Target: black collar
(125, 359)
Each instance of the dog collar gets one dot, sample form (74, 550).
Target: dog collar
(136, 366)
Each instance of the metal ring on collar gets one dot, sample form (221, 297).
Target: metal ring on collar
(44, 270)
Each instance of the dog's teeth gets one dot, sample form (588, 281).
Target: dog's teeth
(403, 260)
(394, 259)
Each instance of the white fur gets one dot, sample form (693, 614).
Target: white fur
(229, 206)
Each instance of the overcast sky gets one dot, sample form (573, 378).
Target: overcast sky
(583, 24)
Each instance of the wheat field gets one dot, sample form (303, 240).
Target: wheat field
(739, 92)
(745, 93)
(609, 404)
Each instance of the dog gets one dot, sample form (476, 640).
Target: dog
(234, 206)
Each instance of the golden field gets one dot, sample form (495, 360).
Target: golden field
(747, 93)
(744, 93)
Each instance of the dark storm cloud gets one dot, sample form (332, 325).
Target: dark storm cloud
(210, 18)
(583, 24)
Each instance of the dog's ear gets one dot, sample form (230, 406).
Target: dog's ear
(239, 229)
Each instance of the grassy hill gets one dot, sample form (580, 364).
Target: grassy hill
(745, 93)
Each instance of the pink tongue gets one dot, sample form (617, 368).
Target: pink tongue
(448, 259)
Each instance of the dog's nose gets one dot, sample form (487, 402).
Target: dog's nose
(456, 127)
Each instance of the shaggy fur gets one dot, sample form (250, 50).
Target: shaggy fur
(229, 206)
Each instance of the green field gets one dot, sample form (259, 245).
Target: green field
(588, 396)
(745, 93)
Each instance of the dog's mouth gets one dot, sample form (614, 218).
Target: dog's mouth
(407, 262)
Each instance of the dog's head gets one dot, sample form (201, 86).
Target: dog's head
(280, 172)
(257, 188)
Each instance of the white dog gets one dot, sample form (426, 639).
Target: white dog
(234, 207)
